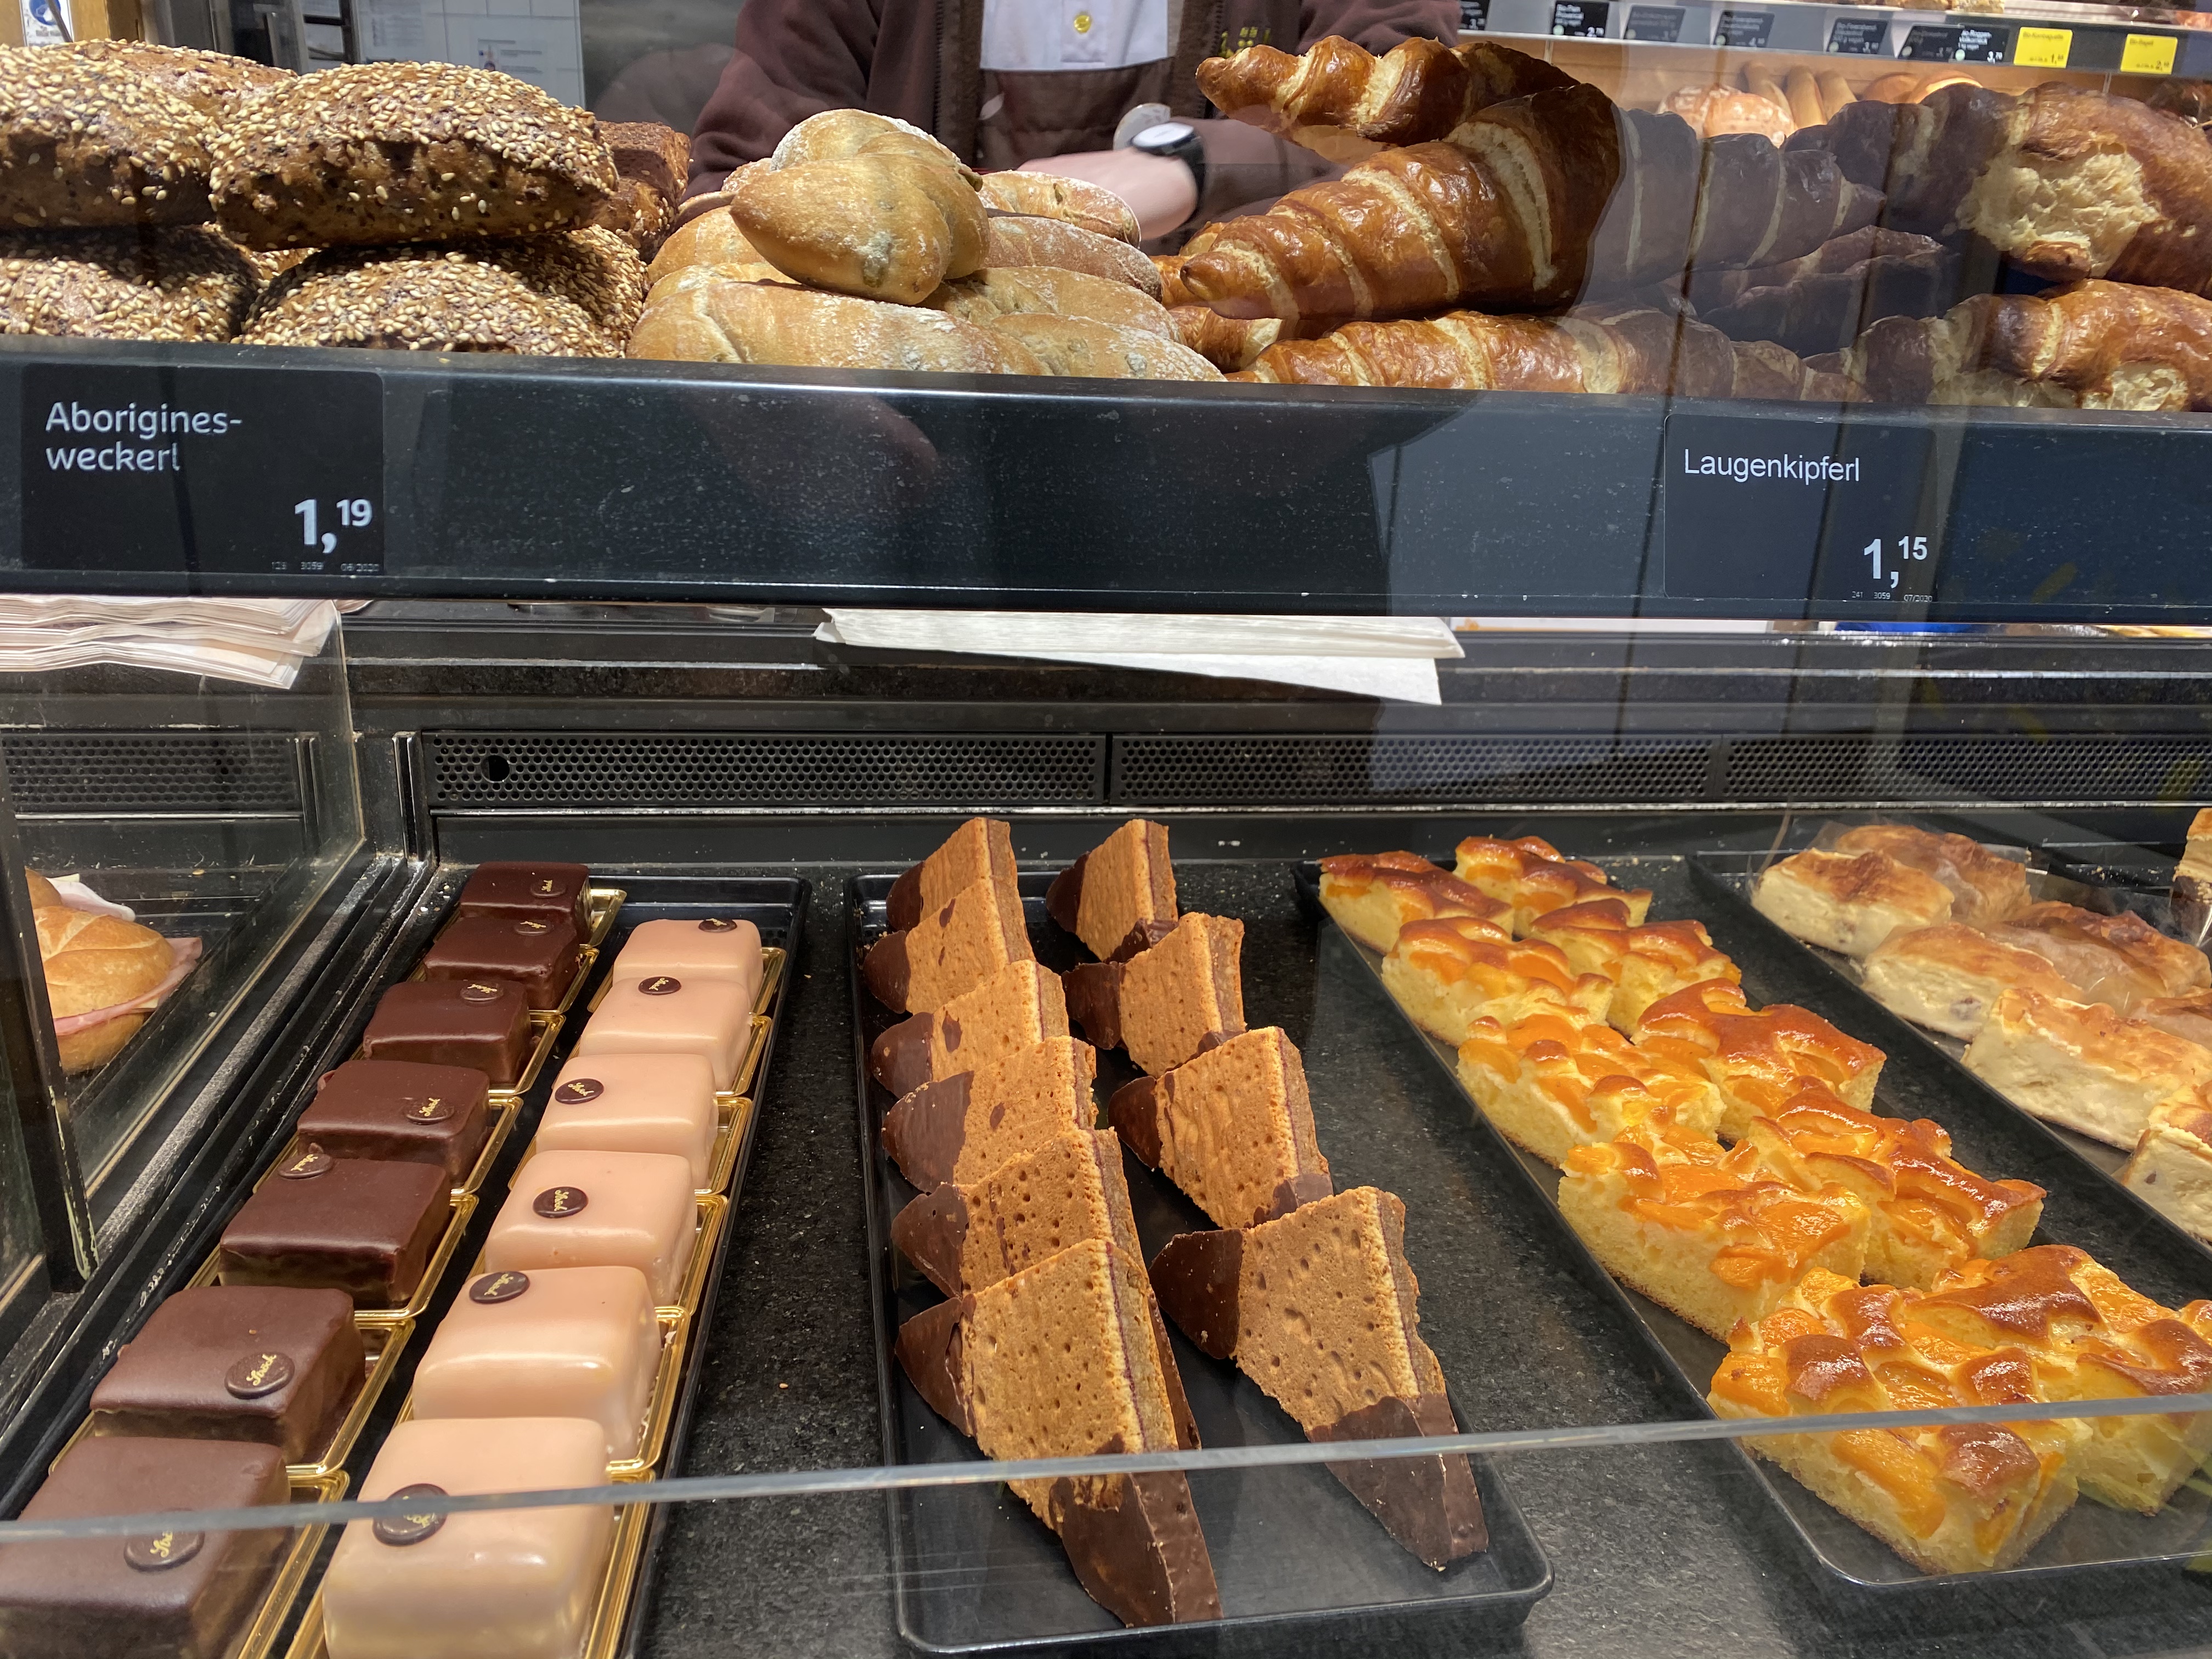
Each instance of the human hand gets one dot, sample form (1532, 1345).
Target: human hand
(1158, 189)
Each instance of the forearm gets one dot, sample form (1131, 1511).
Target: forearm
(1245, 165)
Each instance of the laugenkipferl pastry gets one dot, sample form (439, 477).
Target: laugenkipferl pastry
(1959, 1497)
(1706, 1232)
(1551, 1084)
(1232, 1126)
(1757, 1059)
(2088, 1336)
(2170, 1168)
(1985, 887)
(1449, 973)
(1322, 1310)
(1948, 977)
(1848, 903)
(1372, 895)
(1930, 1214)
(1532, 878)
(2083, 1065)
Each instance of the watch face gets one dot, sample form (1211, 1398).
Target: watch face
(1165, 136)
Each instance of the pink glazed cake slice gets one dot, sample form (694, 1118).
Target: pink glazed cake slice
(598, 1210)
(618, 1102)
(719, 947)
(669, 1014)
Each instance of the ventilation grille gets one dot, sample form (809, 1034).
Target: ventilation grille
(1319, 771)
(587, 771)
(2072, 767)
(185, 774)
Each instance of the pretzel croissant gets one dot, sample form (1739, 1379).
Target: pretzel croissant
(1342, 101)
(1532, 203)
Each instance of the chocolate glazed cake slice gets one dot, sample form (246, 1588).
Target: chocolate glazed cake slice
(982, 849)
(963, 1126)
(953, 949)
(1114, 893)
(1233, 1127)
(1163, 1001)
(1319, 1308)
(1017, 1008)
(1061, 1360)
(1072, 1188)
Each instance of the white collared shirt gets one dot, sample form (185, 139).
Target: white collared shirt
(1074, 34)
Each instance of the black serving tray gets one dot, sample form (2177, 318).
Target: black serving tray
(1302, 1567)
(1988, 1135)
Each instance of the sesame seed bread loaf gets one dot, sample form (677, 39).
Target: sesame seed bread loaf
(1015, 1008)
(1108, 896)
(570, 295)
(176, 284)
(1093, 350)
(213, 82)
(1321, 1309)
(1076, 201)
(1019, 240)
(734, 321)
(1232, 1126)
(87, 144)
(1372, 897)
(372, 154)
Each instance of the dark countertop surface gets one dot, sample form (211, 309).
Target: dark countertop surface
(1660, 1553)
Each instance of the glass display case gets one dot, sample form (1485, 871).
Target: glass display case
(652, 1129)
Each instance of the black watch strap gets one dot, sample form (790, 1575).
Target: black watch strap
(1176, 141)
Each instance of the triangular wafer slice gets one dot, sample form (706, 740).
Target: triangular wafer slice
(967, 1238)
(1114, 890)
(1062, 1360)
(952, 950)
(1233, 1127)
(982, 849)
(1017, 1007)
(1321, 1309)
(963, 1126)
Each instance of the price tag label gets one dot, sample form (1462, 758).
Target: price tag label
(2147, 54)
(1585, 19)
(1742, 29)
(1660, 23)
(2035, 48)
(1784, 511)
(1859, 37)
(1474, 15)
(203, 469)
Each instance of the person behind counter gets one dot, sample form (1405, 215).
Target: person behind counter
(1064, 84)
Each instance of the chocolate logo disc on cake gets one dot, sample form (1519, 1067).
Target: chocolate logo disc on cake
(499, 1287)
(162, 1551)
(529, 927)
(402, 1530)
(718, 925)
(660, 985)
(307, 1165)
(548, 886)
(477, 991)
(578, 1090)
(431, 1109)
(558, 1203)
(258, 1375)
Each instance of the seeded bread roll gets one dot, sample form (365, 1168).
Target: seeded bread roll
(84, 143)
(371, 154)
(213, 82)
(180, 284)
(513, 297)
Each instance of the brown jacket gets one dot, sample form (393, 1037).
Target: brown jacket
(920, 60)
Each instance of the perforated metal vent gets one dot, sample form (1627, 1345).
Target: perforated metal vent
(1176, 771)
(191, 773)
(2063, 767)
(581, 771)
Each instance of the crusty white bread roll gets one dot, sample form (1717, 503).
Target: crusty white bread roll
(95, 962)
(1074, 201)
(1048, 290)
(711, 238)
(739, 322)
(1714, 110)
(877, 226)
(1018, 240)
(1101, 351)
(837, 134)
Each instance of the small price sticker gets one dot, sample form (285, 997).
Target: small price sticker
(2147, 54)
(2042, 48)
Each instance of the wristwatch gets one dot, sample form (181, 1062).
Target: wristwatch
(1177, 141)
